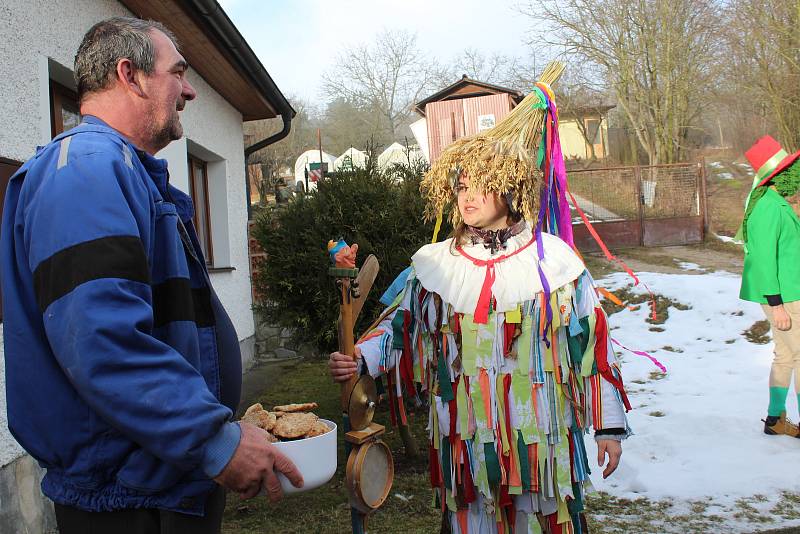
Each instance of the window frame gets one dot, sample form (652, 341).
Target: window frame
(192, 160)
(588, 124)
(58, 95)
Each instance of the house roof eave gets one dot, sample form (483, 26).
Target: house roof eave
(217, 51)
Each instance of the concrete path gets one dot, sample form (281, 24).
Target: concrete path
(594, 211)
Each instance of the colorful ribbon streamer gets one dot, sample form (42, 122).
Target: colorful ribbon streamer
(641, 353)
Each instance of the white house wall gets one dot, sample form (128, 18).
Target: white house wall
(213, 132)
(37, 34)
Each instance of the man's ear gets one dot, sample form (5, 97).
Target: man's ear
(129, 76)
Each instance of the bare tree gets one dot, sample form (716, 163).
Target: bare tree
(657, 55)
(275, 159)
(764, 65)
(493, 68)
(579, 98)
(344, 125)
(384, 78)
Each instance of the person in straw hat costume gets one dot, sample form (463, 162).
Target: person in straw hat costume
(500, 329)
(771, 276)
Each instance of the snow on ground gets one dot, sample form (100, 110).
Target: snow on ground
(725, 176)
(688, 266)
(728, 239)
(697, 430)
(746, 168)
(716, 164)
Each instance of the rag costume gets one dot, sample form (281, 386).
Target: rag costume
(505, 338)
(771, 275)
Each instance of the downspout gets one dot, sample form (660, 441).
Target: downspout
(287, 125)
(238, 47)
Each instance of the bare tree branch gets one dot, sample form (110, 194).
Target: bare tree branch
(654, 54)
(385, 77)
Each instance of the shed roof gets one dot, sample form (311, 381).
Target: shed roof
(466, 87)
(586, 111)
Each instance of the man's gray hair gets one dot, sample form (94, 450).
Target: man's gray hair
(109, 41)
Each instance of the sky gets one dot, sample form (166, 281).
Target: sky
(297, 40)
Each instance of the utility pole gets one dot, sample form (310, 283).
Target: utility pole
(319, 142)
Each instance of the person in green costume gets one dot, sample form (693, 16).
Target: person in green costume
(771, 276)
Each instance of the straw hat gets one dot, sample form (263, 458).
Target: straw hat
(503, 159)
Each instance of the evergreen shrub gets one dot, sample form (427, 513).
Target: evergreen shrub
(382, 212)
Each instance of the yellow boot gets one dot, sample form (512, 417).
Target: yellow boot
(780, 425)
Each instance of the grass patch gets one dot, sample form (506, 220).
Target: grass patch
(699, 507)
(788, 506)
(662, 305)
(758, 333)
(745, 510)
(598, 265)
(651, 256)
(616, 515)
(670, 348)
(715, 244)
(325, 510)
(657, 413)
(732, 184)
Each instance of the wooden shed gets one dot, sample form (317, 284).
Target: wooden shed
(464, 108)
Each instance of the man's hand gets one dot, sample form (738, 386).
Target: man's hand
(613, 449)
(254, 465)
(342, 366)
(780, 318)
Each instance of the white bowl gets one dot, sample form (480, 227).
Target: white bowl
(314, 457)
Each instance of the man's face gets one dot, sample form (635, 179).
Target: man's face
(166, 90)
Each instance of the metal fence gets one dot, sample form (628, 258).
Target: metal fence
(640, 206)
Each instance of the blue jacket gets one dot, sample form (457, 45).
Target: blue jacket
(122, 368)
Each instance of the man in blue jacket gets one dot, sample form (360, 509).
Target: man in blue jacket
(122, 367)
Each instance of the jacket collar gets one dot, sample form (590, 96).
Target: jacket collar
(156, 168)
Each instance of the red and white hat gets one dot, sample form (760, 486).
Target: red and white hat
(768, 158)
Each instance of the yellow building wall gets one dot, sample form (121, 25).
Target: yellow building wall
(573, 145)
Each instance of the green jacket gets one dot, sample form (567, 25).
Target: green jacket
(772, 257)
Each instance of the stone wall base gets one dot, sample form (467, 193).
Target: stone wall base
(276, 343)
(248, 350)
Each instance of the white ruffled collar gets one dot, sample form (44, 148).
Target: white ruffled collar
(444, 271)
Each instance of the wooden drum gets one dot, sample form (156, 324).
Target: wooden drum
(370, 472)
